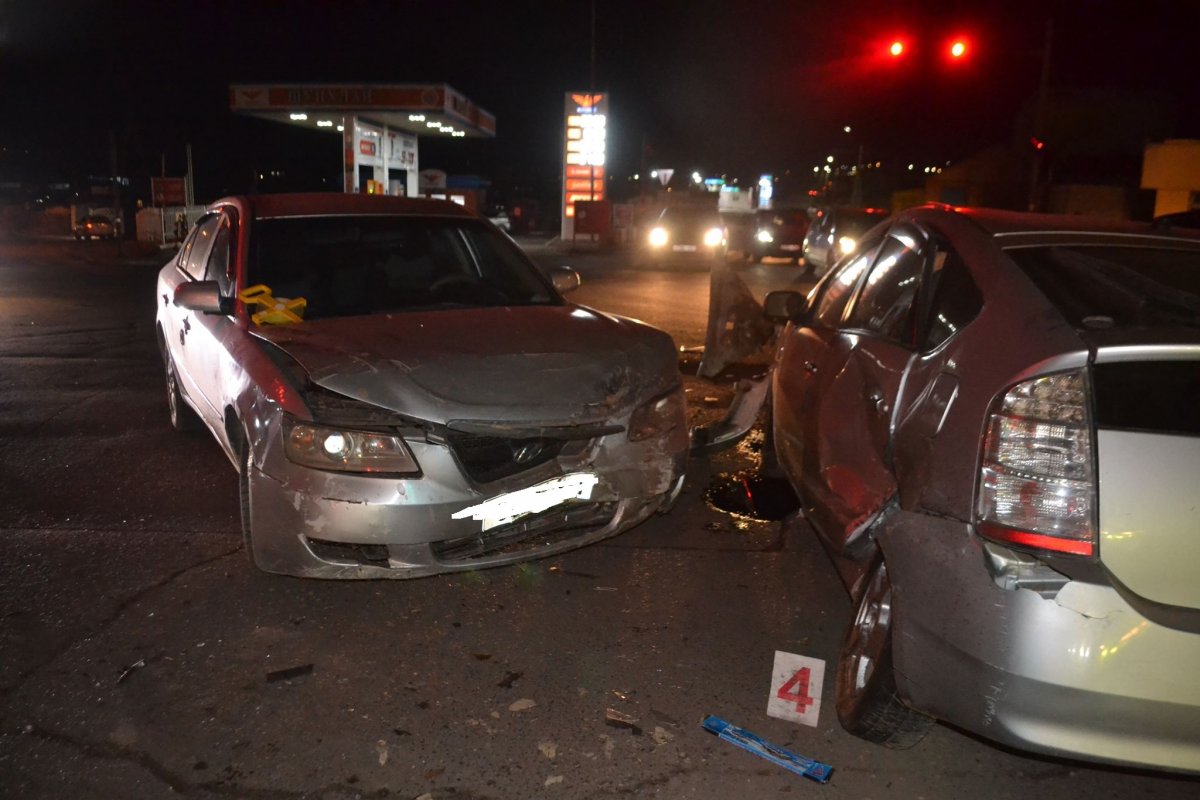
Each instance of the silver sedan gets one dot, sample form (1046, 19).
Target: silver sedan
(403, 393)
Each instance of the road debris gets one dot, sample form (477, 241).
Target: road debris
(548, 749)
(661, 735)
(524, 704)
(554, 779)
(509, 679)
(615, 719)
(289, 673)
(760, 747)
(129, 670)
(381, 747)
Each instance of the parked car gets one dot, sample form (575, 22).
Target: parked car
(993, 422)
(403, 392)
(686, 232)
(834, 233)
(95, 226)
(779, 234)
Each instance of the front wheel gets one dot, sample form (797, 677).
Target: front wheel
(868, 705)
(245, 464)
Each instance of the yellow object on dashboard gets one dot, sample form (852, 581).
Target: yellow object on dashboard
(275, 310)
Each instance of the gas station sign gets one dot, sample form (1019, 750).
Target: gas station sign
(584, 151)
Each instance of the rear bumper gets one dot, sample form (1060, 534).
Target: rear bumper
(1081, 674)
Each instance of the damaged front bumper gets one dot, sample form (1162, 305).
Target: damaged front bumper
(319, 524)
(1072, 670)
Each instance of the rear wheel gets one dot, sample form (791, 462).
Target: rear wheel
(868, 705)
(182, 417)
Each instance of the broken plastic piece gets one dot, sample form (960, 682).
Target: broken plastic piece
(616, 719)
(760, 747)
(276, 310)
(743, 411)
(289, 673)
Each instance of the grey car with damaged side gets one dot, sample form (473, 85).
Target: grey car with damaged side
(403, 393)
(993, 423)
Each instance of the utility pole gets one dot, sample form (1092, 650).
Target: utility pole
(116, 187)
(1039, 119)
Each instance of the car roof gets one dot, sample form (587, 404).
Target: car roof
(1018, 228)
(314, 204)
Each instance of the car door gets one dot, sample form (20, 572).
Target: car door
(849, 477)
(207, 343)
(803, 362)
(191, 336)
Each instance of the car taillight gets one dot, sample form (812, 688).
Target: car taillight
(1037, 487)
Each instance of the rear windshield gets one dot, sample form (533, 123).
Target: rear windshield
(1111, 285)
(355, 265)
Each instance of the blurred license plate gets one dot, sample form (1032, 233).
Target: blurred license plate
(789, 247)
(503, 509)
(684, 248)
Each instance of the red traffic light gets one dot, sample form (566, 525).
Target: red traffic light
(896, 49)
(958, 48)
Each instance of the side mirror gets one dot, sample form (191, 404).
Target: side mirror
(202, 296)
(785, 306)
(565, 279)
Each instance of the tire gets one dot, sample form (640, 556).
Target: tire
(769, 466)
(183, 418)
(868, 705)
(244, 500)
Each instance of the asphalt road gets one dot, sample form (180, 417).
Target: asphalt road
(144, 658)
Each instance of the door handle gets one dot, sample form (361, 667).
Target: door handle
(877, 400)
(166, 302)
(187, 326)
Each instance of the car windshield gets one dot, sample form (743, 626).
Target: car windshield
(861, 221)
(1127, 285)
(354, 265)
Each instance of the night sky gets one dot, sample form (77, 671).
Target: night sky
(735, 88)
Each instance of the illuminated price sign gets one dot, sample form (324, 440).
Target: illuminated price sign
(584, 149)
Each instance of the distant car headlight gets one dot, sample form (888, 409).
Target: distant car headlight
(764, 236)
(714, 237)
(847, 245)
(659, 237)
(663, 413)
(322, 447)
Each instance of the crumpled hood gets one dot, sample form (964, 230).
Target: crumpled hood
(549, 365)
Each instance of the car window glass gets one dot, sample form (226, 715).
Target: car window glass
(838, 287)
(884, 304)
(200, 245)
(218, 259)
(955, 298)
(355, 265)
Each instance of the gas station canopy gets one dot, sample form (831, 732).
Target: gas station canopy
(379, 124)
(432, 109)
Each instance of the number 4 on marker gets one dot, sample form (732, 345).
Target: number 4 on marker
(795, 690)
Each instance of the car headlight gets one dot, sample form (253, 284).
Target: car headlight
(345, 450)
(658, 416)
(714, 237)
(847, 245)
(764, 236)
(659, 236)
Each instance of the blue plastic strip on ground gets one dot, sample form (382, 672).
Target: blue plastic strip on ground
(777, 755)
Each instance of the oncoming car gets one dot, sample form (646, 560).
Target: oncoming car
(95, 226)
(993, 422)
(687, 233)
(403, 393)
(835, 233)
